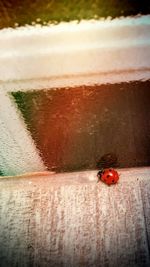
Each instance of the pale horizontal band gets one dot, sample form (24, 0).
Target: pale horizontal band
(71, 54)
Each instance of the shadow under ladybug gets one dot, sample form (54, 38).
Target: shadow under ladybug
(109, 160)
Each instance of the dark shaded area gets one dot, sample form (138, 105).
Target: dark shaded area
(45, 259)
(27, 11)
(107, 161)
(73, 128)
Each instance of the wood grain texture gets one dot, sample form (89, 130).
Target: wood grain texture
(70, 220)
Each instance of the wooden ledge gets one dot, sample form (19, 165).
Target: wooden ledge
(70, 220)
(127, 175)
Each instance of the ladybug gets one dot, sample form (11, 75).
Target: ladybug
(108, 176)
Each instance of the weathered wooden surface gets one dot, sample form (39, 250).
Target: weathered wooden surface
(70, 220)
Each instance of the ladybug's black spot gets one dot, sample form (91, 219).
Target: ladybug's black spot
(108, 175)
(113, 181)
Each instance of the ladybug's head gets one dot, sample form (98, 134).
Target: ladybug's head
(99, 174)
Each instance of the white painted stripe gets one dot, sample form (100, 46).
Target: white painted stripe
(18, 153)
(77, 51)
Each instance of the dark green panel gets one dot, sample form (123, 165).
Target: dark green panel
(27, 11)
(74, 127)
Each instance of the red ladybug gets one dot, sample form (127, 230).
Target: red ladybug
(108, 176)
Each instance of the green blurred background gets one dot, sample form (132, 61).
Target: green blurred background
(18, 13)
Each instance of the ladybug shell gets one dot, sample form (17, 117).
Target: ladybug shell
(109, 176)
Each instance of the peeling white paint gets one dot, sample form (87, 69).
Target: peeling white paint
(18, 153)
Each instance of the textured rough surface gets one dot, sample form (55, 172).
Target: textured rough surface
(70, 220)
